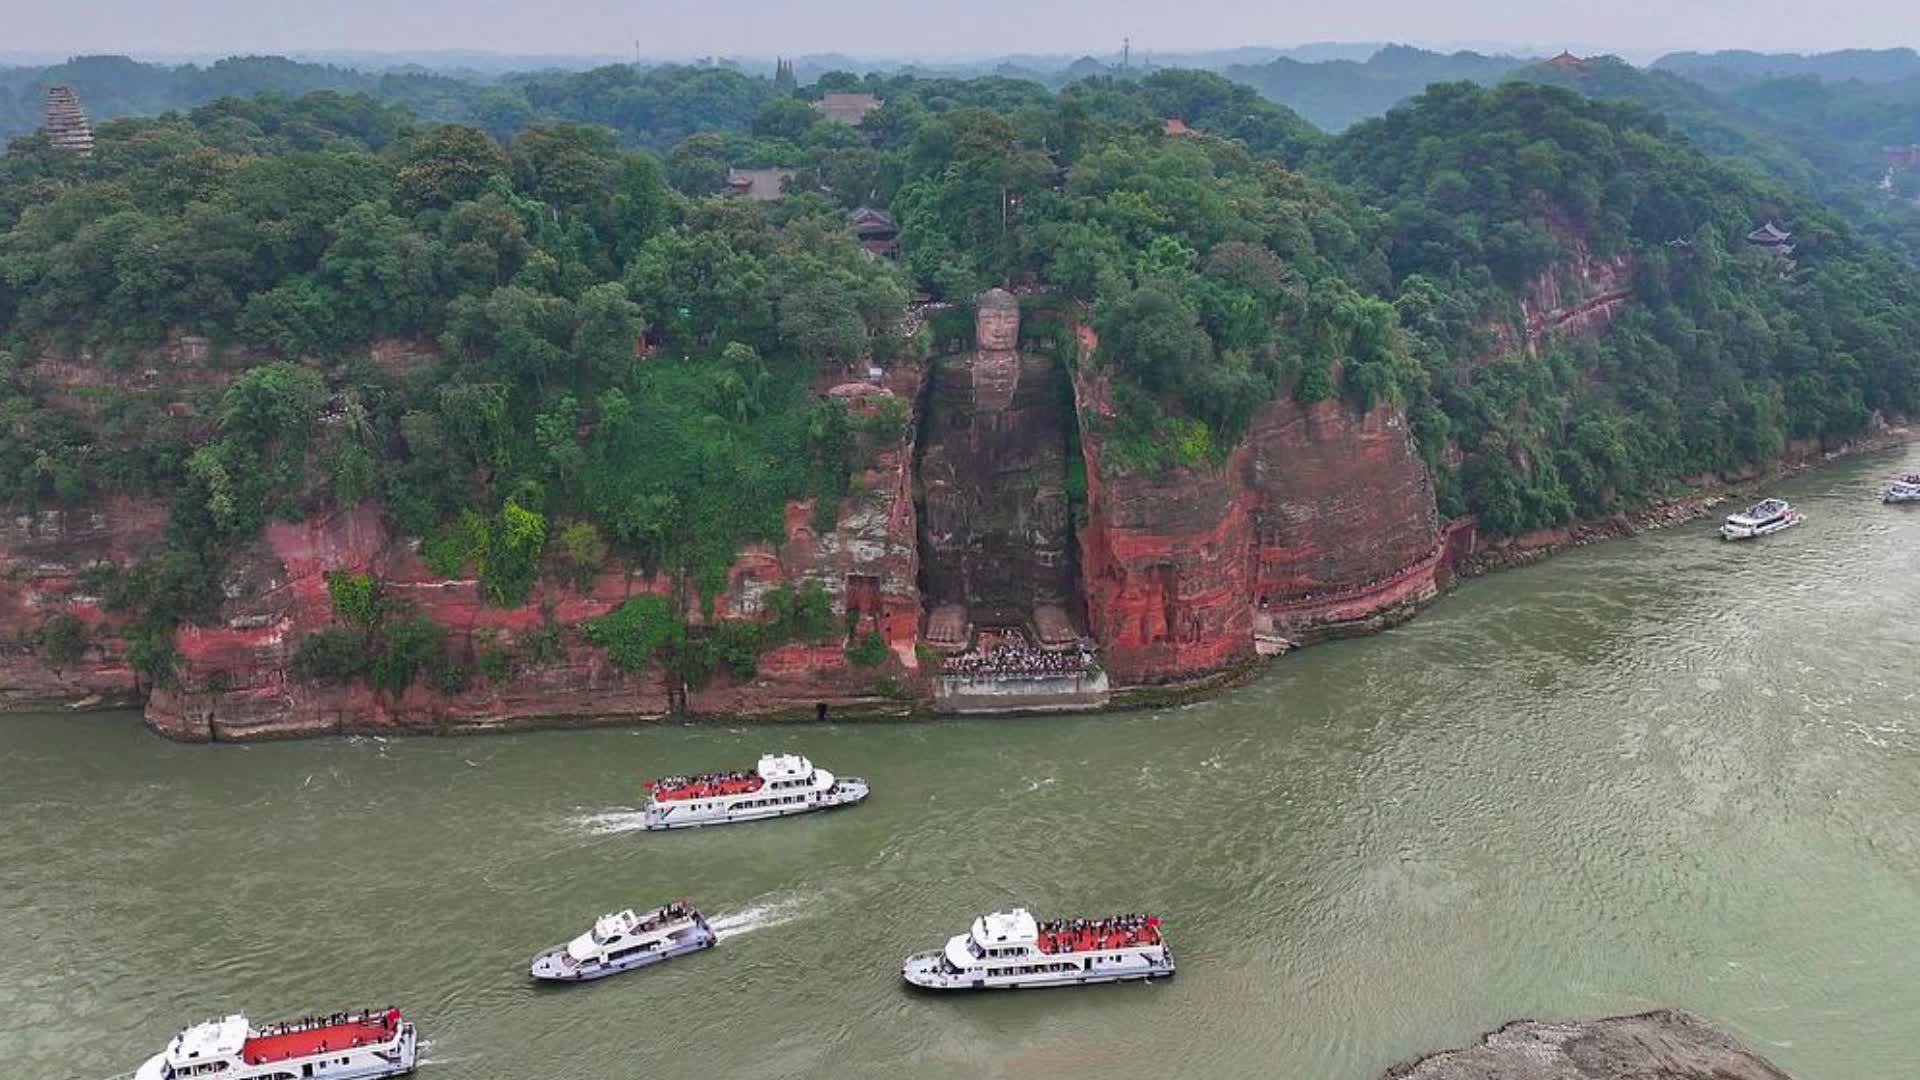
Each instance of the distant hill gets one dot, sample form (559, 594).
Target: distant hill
(116, 86)
(1824, 139)
(1710, 121)
(1735, 67)
(1338, 93)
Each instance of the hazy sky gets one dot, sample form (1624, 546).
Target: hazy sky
(875, 27)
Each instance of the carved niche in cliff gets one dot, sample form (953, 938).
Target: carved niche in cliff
(995, 533)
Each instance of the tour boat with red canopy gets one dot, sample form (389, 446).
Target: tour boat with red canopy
(357, 1045)
(780, 785)
(1013, 950)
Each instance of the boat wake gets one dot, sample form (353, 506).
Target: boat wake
(758, 917)
(610, 822)
(425, 1055)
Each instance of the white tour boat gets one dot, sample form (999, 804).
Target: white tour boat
(1905, 489)
(1011, 950)
(341, 1046)
(1761, 519)
(624, 941)
(782, 784)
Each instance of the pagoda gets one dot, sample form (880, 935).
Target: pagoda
(1773, 238)
(67, 127)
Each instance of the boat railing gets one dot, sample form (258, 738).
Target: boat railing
(376, 1017)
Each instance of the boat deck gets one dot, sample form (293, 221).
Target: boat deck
(1094, 939)
(707, 789)
(309, 1041)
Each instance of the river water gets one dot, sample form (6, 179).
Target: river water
(1664, 770)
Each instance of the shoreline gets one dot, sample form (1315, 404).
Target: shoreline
(1507, 553)
(1668, 511)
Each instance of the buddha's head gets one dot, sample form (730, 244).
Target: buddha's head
(997, 320)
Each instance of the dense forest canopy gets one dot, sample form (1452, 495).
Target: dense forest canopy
(1725, 353)
(1825, 139)
(623, 354)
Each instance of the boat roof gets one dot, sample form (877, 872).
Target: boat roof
(209, 1040)
(783, 766)
(626, 922)
(1006, 927)
(1762, 510)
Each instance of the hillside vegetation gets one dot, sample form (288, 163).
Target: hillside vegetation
(622, 356)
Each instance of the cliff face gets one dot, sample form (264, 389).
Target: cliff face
(1578, 296)
(236, 682)
(44, 558)
(1321, 522)
(234, 677)
(1347, 537)
(1166, 569)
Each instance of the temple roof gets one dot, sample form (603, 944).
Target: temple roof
(1769, 234)
(866, 220)
(759, 184)
(847, 108)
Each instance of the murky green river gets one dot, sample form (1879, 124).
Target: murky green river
(1660, 771)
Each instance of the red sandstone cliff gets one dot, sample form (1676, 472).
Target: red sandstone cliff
(1577, 296)
(234, 680)
(1321, 522)
(44, 556)
(236, 683)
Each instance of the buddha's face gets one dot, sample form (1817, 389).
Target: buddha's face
(997, 327)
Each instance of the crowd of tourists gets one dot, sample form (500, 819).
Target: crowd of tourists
(704, 785)
(1007, 652)
(364, 1028)
(377, 1017)
(1084, 935)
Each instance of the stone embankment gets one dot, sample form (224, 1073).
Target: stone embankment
(1661, 1045)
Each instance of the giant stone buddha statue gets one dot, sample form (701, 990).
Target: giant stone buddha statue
(994, 528)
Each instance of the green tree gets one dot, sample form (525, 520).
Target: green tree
(448, 165)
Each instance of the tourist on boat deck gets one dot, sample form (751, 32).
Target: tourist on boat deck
(1078, 935)
(702, 784)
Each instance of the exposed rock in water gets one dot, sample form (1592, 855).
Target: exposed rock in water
(1662, 1045)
